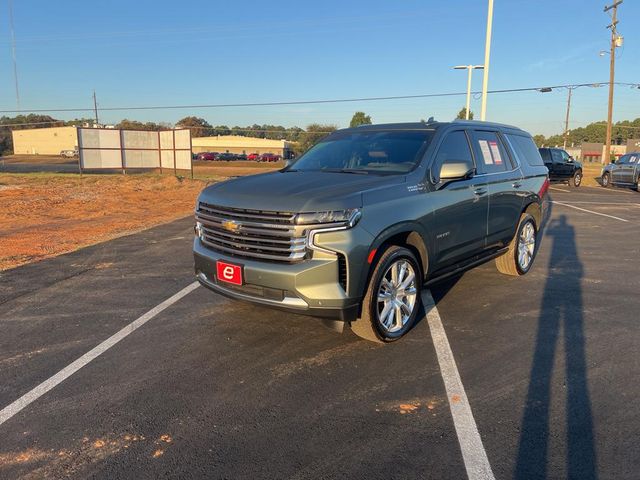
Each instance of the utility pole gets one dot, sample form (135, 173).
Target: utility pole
(13, 54)
(566, 120)
(606, 158)
(487, 54)
(470, 69)
(95, 107)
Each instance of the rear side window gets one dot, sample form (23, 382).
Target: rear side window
(454, 148)
(491, 154)
(525, 149)
(545, 153)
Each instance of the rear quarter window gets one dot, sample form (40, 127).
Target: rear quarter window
(525, 149)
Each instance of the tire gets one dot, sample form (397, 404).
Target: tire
(513, 262)
(576, 180)
(606, 180)
(376, 326)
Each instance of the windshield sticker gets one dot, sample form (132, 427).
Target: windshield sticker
(495, 151)
(486, 153)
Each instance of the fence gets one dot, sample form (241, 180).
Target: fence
(107, 148)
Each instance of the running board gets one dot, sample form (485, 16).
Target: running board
(467, 266)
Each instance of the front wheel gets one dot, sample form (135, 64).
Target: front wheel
(522, 250)
(606, 180)
(576, 180)
(392, 301)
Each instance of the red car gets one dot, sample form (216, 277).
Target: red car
(269, 157)
(206, 156)
(253, 156)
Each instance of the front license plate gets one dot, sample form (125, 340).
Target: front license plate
(229, 273)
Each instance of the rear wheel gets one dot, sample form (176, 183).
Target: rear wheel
(606, 180)
(392, 301)
(576, 180)
(522, 249)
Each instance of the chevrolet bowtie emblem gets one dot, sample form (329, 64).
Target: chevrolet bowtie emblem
(231, 226)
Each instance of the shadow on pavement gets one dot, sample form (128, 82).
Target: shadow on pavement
(561, 312)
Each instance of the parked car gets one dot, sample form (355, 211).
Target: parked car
(268, 157)
(207, 156)
(625, 172)
(241, 156)
(227, 156)
(253, 156)
(353, 229)
(562, 166)
(69, 153)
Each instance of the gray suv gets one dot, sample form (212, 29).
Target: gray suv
(625, 172)
(358, 225)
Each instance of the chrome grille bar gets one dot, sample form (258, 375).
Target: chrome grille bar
(259, 234)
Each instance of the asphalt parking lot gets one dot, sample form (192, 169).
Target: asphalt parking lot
(206, 387)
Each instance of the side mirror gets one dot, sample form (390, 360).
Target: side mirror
(456, 171)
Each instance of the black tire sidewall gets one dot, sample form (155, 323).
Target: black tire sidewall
(606, 180)
(526, 219)
(374, 285)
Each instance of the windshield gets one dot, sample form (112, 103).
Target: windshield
(366, 152)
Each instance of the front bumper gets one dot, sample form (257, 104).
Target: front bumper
(309, 287)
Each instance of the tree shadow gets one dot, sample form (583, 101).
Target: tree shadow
(561, 310)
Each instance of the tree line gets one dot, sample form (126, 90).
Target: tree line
(595, 133)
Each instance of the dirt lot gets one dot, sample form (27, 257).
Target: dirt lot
(44, 215)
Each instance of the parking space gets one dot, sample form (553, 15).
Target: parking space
(218, 389)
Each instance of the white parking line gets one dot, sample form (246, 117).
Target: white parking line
(559, 189)
(611, 190)
(588, 211)
(473, 453)
(10, 410)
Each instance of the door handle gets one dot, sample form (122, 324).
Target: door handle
(480, 191)
(516, 184)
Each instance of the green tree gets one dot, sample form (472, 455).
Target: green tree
(199, 126)
(312, 135)
(462, 114)
(136, 125)
(540, 140)
(360, 118)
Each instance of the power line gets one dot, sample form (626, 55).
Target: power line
(311, 102)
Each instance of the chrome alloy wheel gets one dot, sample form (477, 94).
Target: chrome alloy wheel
(396, 296)
(526, 246)
(577, 179)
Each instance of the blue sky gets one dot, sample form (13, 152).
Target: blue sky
(203, 52)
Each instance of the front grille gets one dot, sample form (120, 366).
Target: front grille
(259, 234)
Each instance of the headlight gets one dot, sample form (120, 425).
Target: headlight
(198, 230)
(348, 217)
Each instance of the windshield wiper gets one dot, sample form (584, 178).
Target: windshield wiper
(345, 170)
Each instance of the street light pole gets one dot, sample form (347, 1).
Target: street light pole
(470, 69)
(487, 54)
(606, 158)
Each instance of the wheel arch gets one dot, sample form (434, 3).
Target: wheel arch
(408, 235)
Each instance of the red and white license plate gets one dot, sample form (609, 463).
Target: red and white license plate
(227, 272)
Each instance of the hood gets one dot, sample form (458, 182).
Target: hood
(296, 191)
